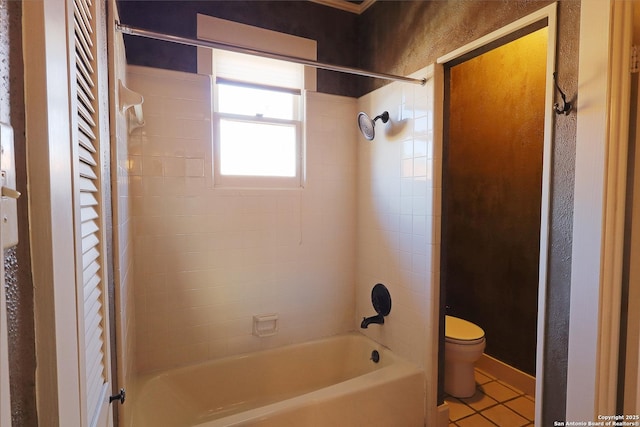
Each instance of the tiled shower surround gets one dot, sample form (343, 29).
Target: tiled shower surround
(398, 181)
(208, 259)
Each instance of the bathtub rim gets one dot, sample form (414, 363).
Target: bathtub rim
(385, 351)
(396, 365)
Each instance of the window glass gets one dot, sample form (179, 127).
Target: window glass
(251, 101)
(257, 149)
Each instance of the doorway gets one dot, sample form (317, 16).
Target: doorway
(492, 189)
(497, 119)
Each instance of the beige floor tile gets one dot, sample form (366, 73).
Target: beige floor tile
(479, 401)
(503, 416)
(484, 374)
(498, 391)
(523, 406)
(457, 409)
(475, 421)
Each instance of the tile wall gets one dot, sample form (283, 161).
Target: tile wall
(207, 260)
(398, 219)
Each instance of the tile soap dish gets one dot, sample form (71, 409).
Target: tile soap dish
(265, 325)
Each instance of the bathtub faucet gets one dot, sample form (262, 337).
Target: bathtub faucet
(366, 321)
(381, 300)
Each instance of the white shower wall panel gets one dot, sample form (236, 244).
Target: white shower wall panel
(208, 259)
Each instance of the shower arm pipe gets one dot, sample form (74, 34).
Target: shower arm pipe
(126, 29)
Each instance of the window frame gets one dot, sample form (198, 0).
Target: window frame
(256, 181)
(252, 37)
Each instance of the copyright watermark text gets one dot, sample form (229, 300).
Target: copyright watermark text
(605, 421)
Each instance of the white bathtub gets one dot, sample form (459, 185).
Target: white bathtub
(329, 382)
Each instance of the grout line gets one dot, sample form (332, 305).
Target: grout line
(488, 420)
(479, 412)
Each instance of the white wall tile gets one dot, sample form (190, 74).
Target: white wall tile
(403, 262)
(208, 260)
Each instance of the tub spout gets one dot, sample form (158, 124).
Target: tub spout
(366, 321)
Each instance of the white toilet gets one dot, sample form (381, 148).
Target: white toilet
(463, 346)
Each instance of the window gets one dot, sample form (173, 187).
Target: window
(257, 121)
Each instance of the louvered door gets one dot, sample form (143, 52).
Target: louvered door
(90, 160)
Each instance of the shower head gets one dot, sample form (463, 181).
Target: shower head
(367, 126)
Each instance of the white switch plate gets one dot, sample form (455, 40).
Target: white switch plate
(9, 211)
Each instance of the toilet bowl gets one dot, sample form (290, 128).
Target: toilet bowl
(463, 346)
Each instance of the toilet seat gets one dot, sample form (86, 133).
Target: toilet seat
(463, 342)
(463, 332)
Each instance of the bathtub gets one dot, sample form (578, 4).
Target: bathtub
(328, 382)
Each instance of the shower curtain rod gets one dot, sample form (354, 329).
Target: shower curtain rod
(126, 29)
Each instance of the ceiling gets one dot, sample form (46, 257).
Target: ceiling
(356, 7)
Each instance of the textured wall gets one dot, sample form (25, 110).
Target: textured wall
(492, 195)
(334, 30)
(17, 264)
(431, 29)
(561, 221)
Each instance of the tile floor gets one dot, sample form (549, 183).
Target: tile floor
(494, 404)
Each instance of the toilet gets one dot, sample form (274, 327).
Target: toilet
(463, 346)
